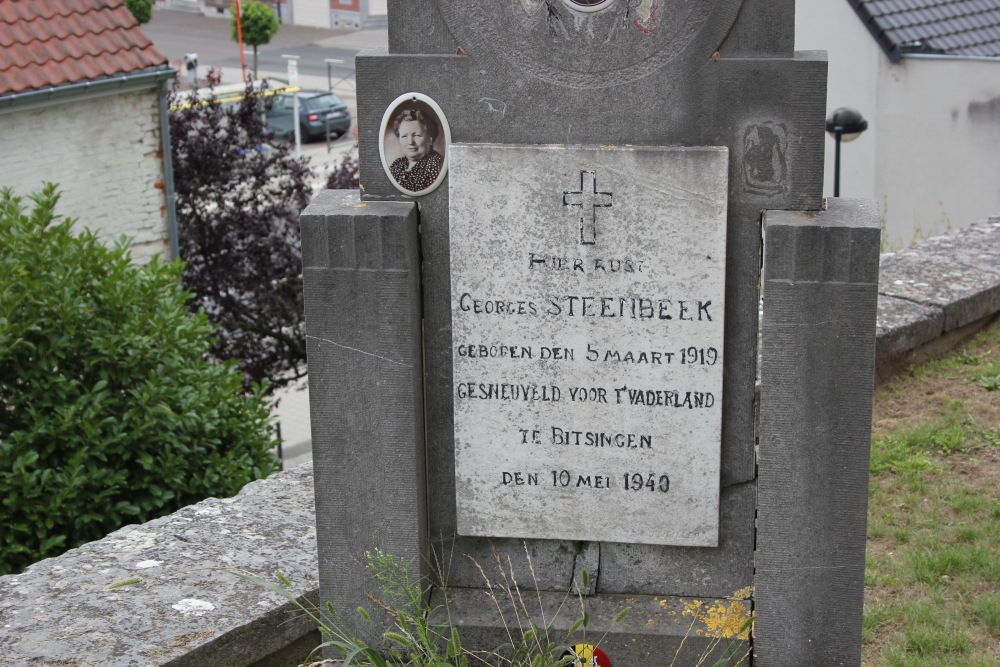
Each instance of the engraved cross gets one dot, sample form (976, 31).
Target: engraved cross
(589, 200)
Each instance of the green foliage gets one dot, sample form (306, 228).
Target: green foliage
(258, 22)
(109, 411)
(416, 638)
(346, 175)
(142, 10)
(986, 610)
(238, 205)
(989, 379)
(911, 450)
(934, 519)
(931, 642)
(425, 638)
(936, 565)
(422, 637)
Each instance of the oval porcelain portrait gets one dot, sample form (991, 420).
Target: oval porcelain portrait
(414, 148)
(588, 5)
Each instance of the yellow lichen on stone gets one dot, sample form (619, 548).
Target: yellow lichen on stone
(722, 620)
(729, 620)
(744, 593)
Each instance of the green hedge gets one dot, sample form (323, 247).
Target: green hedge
(142, 10)
(109, 411)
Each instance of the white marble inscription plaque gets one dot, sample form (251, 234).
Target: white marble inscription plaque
(587, 289)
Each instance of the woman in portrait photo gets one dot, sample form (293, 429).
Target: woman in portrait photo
(416, 130)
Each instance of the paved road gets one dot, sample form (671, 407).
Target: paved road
(176, 33)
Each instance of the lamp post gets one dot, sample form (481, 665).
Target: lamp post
(844, 124)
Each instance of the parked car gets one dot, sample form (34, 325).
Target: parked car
(316, 109)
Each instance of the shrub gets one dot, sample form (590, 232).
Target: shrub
(238, 203)
(345, 176)
(110, 412)
(142, 10)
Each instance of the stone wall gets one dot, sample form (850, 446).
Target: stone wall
(105, 155)
(159, 593)
(935, 294)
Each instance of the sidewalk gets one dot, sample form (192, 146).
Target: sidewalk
(359, 40)
(292, 412)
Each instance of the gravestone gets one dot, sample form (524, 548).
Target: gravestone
(587, 343)
(533, 335)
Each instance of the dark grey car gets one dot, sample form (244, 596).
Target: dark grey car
(316, 109)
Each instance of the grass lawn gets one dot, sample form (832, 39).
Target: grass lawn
(932, 582)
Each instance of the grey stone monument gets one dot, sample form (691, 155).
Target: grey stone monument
(535, 344)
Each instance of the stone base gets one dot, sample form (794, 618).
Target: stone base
(656, 630)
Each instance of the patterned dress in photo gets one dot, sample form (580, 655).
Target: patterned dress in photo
(421, 176)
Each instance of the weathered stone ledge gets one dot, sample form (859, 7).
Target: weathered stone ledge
(935, 294)
(186, 610)
(182, 607)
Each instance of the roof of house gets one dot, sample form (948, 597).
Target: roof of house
(950, 27)
(51, 43)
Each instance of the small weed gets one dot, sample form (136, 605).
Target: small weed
(987, 377)
(919, 612)
(872, 576)
(966, 533)
(874, 618)
(124, 582)
(911, 450)
(895, 455)
(877, 528)
(933, 642)
(938, 566)
(423, 637)
(966, 502)
(901, 534)
(986, 610)
(989, 382)
(966, 359)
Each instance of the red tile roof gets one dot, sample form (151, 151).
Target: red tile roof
(47, 43)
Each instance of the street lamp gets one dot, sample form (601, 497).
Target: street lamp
(847, 124)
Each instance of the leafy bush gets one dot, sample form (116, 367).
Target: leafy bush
(238, 204)
(110, 412)
(142, 10)
(346, 175)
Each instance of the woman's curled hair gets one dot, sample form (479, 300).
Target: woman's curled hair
(419, 115)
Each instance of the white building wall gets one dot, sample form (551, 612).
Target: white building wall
(315, 13)
(938, 165)
(104, 153)
(929, 163)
